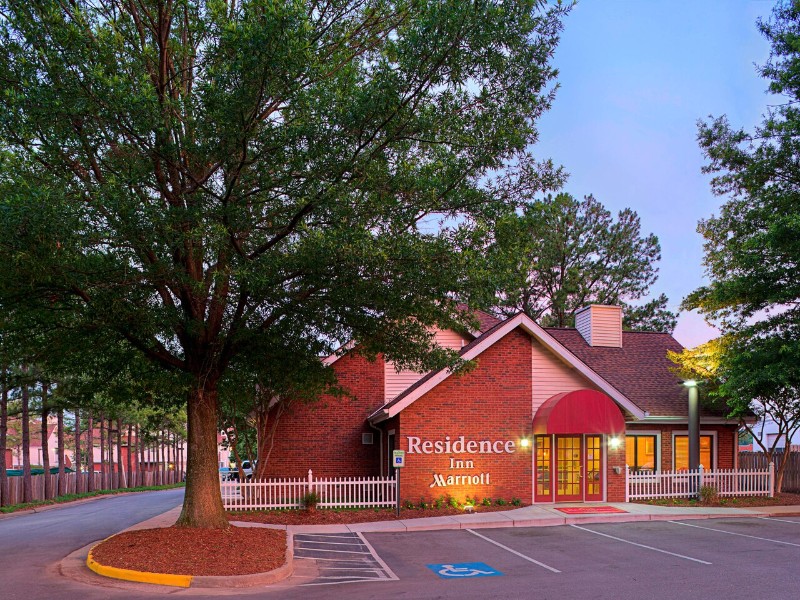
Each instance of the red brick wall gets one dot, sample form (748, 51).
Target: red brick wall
(492, 402)
(325, 436)
(615, 482)
(727, 441)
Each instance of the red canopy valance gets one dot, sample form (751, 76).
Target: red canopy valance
(581, 411)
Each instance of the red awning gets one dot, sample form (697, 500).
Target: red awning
(581, 411)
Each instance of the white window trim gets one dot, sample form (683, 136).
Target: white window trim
(659, 450)
(714, 446)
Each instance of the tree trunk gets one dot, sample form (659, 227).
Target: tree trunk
(103, 465)
(129, 461)
(121, 475)
(48, 483)
(139, 457)
(27, 489)
(62, 479)
(160, 451)
(111, 467)
(77, 456)
(4, 499)
(90, 452)
(202, 502)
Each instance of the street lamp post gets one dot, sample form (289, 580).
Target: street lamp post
(694, 428)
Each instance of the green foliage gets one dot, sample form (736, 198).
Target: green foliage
(486, 502)
(310, 500)
(708, 494)
(452, 502)
(561, 254)
(751, 247)
(423, 504)
(233, 188)
(409, 505)
(516, 502)
(500, 502)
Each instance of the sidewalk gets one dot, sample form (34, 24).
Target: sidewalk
(547, 516)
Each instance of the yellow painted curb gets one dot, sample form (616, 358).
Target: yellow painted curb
(140, 576)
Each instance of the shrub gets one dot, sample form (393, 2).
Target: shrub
(452, 501)
(516, 502)
(423, 504)
(500, 502)
(486, 502)
(409, 505)
(708, 494)
(310, 500)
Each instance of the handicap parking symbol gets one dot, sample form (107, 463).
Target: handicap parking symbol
(464, 570)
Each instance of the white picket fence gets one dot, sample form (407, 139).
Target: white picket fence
(342, 492)
(641, 485)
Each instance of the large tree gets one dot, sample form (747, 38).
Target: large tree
(562, 253)
(752, 247)
(218, 183)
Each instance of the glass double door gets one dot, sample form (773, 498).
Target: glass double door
(577, 467)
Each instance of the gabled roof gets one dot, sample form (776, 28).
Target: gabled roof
(639, 369)
(486, 340)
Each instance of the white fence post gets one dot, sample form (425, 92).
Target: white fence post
(771, 479)
(310, 487)
(627, 485)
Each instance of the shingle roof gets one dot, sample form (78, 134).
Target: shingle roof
(485, 320)
(640, 369)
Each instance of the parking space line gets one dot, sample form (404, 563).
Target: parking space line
(350, 543)
(356, 560)
(324, 535)
(697, 560)
(326, 550)
(781, 520)
(528, 558)
(754, 537)
(377, 558)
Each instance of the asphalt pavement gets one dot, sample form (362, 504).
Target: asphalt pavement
(32, 544)
(651, 554)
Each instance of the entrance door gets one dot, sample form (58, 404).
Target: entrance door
(568, 470)
(593, 460)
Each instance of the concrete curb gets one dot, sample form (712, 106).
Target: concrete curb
(139, 576)
(198, 581)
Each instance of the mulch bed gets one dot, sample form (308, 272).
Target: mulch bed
(333, 516)
(782, 499)
(184, 551)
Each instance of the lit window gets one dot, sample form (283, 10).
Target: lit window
(682, 452)
(640, 452)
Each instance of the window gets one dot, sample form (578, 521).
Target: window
(682, 452)
(542, 465)
(640, 452)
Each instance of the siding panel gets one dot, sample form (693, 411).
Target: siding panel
(551, 376)
(395, 382)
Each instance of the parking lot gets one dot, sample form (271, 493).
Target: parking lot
(709, 558)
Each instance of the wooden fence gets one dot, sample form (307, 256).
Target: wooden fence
(758, 460)
(641, 485)
(343, 492)
(75, 483)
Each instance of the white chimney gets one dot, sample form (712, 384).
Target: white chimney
(600, 325)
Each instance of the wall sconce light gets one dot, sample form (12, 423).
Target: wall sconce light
(614, 443)
(524, 443)
(690, 383)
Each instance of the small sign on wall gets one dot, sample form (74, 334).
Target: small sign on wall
(398, 458)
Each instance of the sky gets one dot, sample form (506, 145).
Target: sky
(635, 76)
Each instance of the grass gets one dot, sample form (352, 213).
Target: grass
(73, 497)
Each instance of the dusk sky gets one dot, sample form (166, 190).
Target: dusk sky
(635, 77)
